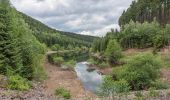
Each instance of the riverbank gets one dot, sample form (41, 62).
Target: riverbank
(103, 71)
(57, 77)
(67, 79)
(37, 92)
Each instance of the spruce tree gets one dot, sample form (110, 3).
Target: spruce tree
(9, 48)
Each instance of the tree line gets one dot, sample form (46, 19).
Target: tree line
(51, 36)
(23, 43)
(147, 10)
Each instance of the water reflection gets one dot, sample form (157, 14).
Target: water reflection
(90, 79)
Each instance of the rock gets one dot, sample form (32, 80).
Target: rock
(36, 93)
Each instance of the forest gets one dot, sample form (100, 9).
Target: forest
(147, 10)
(24, 42)
(51, 36)
(135, 52)
(137, 56)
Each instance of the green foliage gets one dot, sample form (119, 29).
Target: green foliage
(58, 60)
(141, 70)
(111, 87)
(166, 58)
(16, 82)
(137, 35)
(113, 52)
(9, 48)
(38, 68)
(153, 92)
(70, 63)
(146, 10)
(19, 49)
(63, 93)
(139, 95)
(51, 36)
(92, 61)
(103, 65)
(159, 85)
(55, 47)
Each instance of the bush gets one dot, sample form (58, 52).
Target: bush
(58, 60)
(159, 85)
(63, 93)
(16, 82)
(55, 47)
(141, 70)
(103, 65)
(139, 96)
(92, 61)
(113, 52)
(110, 87)
(153, 92)
(70, 64)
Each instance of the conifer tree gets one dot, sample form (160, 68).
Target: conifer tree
(9, 49)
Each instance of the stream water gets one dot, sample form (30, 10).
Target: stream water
(90, 79)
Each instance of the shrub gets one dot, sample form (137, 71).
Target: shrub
(38, 69)
(159, 85)
(141, 70)
(153, 93)
(69, 65)
(113, 52)
(111, 87)
(58, 60)
(55, 47)
(103, 65)
(63, 93)
(16, 82)
(139, 95)
(92, 61)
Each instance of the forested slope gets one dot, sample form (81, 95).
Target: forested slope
(20, 52)
(51, 36)
(23, 42)
(147, 10)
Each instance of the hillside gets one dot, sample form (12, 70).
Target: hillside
(23, 43)
(147, 10)
(40, 29)
(38, 62)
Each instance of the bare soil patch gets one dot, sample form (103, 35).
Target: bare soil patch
(67, 79)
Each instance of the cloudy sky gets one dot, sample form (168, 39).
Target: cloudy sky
(91, 17)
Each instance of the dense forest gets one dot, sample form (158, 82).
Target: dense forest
(147, 10)
(51, 36)
(24, 42)
(21, 54)
(141, 27)
(144, 25)
(137, 35)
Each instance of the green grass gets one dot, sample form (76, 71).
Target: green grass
(166, 58)
(63, 93)
(153, 93)
(16, 82)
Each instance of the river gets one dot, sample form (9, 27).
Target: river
(91, 80)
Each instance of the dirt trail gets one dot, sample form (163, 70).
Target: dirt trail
(67, 79)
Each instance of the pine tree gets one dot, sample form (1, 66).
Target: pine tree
(9, 49)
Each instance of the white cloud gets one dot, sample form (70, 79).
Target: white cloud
(101, 32)
(91, 17)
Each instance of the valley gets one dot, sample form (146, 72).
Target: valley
(132, 62)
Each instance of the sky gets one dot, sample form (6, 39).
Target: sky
(88, 17)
